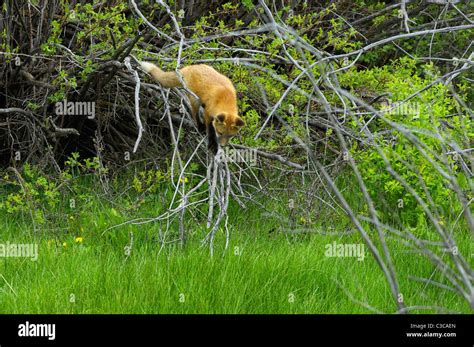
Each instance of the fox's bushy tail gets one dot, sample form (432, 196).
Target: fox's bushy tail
(166, 79)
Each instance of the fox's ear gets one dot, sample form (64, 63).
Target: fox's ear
(239, 123)
(220, 118)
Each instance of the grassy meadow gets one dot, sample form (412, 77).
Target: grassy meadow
(84, 267)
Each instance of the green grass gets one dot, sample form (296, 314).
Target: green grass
(261, 271)
(261, 275)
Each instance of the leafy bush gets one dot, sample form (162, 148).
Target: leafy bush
(426, 115)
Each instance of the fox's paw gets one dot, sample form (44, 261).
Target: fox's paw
(213, 146)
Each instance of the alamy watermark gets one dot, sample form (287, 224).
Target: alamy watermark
(345, 250)
(75, 108)
(19, 250)
(407, 108)
(37, 330)
(240, 155)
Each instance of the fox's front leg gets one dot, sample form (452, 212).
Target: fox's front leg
(212, 143)
(195, 104)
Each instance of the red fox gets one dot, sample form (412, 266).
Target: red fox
(216, 94)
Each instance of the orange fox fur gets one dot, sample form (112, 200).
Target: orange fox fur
(216, 94)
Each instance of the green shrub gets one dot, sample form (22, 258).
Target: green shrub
(424, 116)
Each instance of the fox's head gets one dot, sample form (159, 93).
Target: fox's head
(227, 126)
